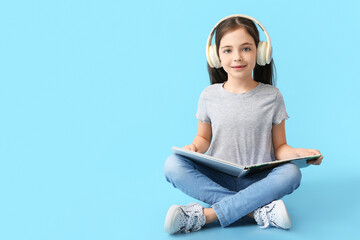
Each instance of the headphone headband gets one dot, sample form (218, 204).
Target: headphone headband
(268, 50)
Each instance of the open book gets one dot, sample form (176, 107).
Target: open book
(236, 169)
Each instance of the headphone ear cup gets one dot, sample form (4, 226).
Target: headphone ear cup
(268, 54)
(215, 61)
(261, 52)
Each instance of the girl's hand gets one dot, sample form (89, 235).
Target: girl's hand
(191, 147)
(302, 152)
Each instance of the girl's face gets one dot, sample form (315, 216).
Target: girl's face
(237, 53)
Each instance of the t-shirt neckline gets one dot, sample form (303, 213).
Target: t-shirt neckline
(240, 95)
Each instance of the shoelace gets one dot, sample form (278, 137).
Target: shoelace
(263, 214)
(194, 218)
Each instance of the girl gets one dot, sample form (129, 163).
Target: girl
(241, 119)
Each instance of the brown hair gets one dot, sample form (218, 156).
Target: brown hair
(264, 74)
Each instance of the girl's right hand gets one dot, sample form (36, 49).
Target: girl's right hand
(191, 147)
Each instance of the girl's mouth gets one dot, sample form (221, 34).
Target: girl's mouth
(238, 67)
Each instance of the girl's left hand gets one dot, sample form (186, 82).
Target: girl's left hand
(308, 152)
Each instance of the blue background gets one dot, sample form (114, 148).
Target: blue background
(93, 94)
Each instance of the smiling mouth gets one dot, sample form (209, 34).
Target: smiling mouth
(239, 66)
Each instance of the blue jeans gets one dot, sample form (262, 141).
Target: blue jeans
(231, 197)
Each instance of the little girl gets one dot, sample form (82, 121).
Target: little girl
(241, 119)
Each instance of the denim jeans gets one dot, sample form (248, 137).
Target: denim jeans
(231, 197)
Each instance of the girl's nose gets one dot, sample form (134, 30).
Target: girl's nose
(237, 57)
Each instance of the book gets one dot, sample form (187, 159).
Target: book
(238, 170)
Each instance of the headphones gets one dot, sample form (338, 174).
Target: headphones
(264, 49)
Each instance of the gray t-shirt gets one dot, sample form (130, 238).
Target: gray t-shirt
(241, 123)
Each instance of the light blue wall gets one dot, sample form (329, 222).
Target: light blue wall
(94, 93)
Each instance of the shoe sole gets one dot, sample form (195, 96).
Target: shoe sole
(171, 220)
(284, 215)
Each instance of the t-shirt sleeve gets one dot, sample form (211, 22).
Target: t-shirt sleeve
(202, 113)
(279, 109)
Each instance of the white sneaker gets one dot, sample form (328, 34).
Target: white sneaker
(273, 214)
(184, 218)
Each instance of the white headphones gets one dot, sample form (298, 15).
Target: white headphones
(264, 49)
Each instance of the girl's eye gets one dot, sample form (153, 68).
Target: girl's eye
(246, 49)
(227, 51)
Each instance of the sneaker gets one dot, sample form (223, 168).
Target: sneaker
(184, 218)
(273, 214)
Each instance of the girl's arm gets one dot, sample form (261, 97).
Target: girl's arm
(202, 139)
(284, 151)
